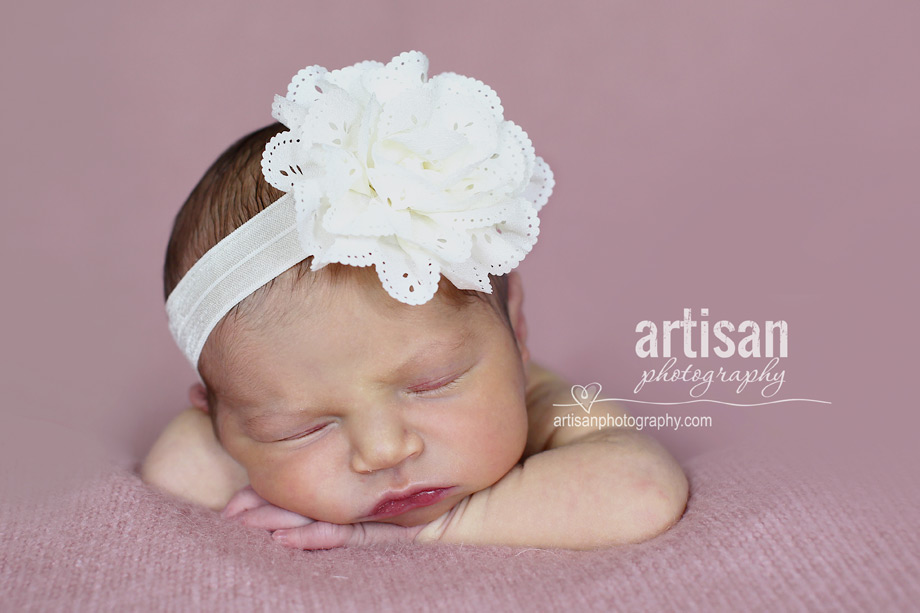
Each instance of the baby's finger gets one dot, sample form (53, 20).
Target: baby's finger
(323, 535)
(243, 500)
(270, 517)
(318, 535)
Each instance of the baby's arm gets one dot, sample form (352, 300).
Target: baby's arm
(579, 488)
(187, 461)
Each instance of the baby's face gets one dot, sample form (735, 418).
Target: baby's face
(361, 408)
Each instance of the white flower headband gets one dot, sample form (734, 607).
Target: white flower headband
(381, 165)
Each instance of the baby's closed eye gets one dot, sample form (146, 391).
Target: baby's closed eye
(437, 386)
(304, 434)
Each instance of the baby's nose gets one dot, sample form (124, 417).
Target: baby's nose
(382, 441)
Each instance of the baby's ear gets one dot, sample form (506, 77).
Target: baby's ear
(516, 313)
(199, 397)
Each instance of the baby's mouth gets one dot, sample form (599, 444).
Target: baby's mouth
(398, 503)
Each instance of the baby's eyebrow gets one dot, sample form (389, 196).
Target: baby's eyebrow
(254, 421)
(261, 420)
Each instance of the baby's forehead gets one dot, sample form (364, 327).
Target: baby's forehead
(322, 326)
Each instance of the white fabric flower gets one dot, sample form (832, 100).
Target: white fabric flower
(419, 177)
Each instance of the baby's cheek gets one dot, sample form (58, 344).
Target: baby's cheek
(514, 437)
(304, 488)
(500, 436)
(514, 427)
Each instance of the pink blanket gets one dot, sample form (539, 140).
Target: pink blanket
(758, 534)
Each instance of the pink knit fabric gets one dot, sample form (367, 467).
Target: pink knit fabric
(759, 534)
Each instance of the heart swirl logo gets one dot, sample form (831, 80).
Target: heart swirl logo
(586, 395)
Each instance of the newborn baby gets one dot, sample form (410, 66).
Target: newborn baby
(333, 414)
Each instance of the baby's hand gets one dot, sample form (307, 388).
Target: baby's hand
(299, 532)
(250, 509)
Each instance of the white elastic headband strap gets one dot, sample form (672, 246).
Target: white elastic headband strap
(242, 262)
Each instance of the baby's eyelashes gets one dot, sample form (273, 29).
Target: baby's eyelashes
(439, 385)
(303, 434)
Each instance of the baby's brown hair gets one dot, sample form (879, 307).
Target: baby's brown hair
(231, 192)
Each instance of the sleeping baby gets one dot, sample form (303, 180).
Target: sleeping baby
(342, 282)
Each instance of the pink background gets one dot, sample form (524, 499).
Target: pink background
(758, 159)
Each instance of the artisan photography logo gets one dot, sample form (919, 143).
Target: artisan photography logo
(586, 396)
(766, 346)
